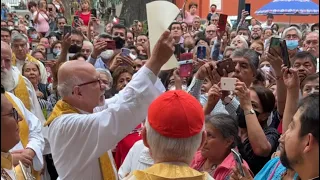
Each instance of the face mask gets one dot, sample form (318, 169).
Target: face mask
(74, 48)
(119, 42)
(266, 69)
(10, 27)
(56, 52)
(106, 55)
(292, 44)
(172, 88)
(133, 57)
(241, 117)
(34, 36)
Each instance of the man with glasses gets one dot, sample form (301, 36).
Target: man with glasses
(14, 82)
(24, 141)
(211, 32)
(80, 135)
(214, 19)
(256, 33)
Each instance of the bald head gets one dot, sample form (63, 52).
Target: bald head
(6, 54)
(5, 46)
(72, 73)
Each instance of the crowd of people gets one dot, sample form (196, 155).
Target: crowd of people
(93, 103)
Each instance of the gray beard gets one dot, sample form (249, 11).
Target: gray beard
(7, 80)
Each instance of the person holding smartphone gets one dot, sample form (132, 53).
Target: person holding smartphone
(84, 14)
(41, 19)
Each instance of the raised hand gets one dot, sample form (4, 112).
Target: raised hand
(243, 94)
(98, 48)
(290, 78)
(237, 176)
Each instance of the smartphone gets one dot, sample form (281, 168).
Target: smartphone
(34, 46)
(125, 52)
(222, 22)
(186, 68)
(227, 65)
(94, 12)
(50, 9)
(239, 161)
(66, 29)
(285, 54)
(201, 52)
(76, 20)
(111, 45)
(228, 84)
(177, 51)
(275, 45)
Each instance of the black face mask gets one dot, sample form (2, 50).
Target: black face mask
(242, 118)
(74, 48)
(119, 42)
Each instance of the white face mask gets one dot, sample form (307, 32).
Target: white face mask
(184, 88)
(106, 55)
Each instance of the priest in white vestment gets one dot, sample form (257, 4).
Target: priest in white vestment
(79, 137)
(9, 136)
(35, 140)
(21, 54)
(21, 87)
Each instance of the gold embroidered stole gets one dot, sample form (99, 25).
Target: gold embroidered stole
(29, 58)
(105, 163)
(24, 137)
(21, 91)
(164, 171)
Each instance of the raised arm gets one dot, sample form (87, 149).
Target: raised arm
(291, 81)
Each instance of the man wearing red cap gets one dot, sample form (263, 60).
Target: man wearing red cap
(173, 132)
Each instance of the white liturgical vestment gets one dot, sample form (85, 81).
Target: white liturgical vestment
(78, 140)
(36, 141)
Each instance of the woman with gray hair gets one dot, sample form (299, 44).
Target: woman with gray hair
(222, 132)
(239, 42)
(106, 78)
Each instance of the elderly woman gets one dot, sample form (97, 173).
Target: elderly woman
(293, 36)
(239, 42)
(258, 141)
(106, 78)
(31, 71)
(222, 132)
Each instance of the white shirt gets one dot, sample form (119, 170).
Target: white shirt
(35, 106)
(78, 140)
(138, 158)
(36, 141)
(265, 25)
(43, 71)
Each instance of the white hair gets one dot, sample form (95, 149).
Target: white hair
(289, 29)
(107, 73)
(85, 42)
(172, 149)
(65, 88)
(19, 37)
(244, 41)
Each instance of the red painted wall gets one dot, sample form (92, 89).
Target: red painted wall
(230, 7)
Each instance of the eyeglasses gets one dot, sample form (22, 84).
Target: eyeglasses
(91, 82)
(14, 113)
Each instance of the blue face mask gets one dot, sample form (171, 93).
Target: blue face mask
(292, 44)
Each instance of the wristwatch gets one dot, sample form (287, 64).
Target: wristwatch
(251, 111)
(227, 100)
